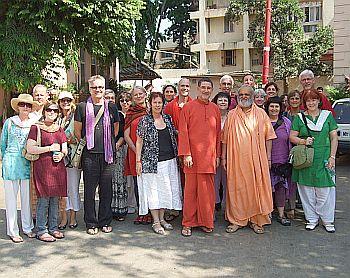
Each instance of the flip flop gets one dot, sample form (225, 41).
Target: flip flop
(232, 228)
(57, 234)
(207, 230)
(107, 229)
(186, 231)
(92, 231)
(45, 237)
(16, 239)
(257, 229)
(30, 235)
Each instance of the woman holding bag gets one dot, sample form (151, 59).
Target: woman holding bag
(315, 183)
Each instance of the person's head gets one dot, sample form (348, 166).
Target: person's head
(312, 100)
(245, 96)
(222, 100)
(259, 97)
(156, 101)
(66, 101)
(24, 104)
(249, 80)
(51, 111)
(204, 88)
(184, 87)
(273, 107)
(226, 84)
(320, 89)
(138, 95)
(294, 99)
(123, 101)
(284, 99)
(169, 92)
(40, 94)
(307, 79)
(271, 89)
(110, 95)
(97, 85)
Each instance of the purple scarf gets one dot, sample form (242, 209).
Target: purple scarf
(90, 131)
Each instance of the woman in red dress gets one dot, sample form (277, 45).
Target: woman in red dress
(50, 176)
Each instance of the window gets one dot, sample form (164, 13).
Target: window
(208, 25)
(166, 55)
(310, 28)
(93, 66)
(229, 58)
(312, 13)
(229, 25)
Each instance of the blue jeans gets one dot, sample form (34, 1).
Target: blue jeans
(46, 205)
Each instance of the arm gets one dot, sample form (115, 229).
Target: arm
(33, 148)
(334, 145)
(293, 137)
(139, 144)
(77, 130)
(128, 140)
(224, 156)
(184, 141)
(116, 129)
(4, 139)
(268, 151)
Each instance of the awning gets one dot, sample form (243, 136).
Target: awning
(137, 70)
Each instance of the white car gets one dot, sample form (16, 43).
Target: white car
(342, 111)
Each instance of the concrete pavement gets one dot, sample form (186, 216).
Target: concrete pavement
(135, 251)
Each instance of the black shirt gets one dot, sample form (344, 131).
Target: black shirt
(80, 116)
(166, 151)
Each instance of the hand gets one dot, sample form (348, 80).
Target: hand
(224, 163)
(217, 162)
(55, 147)
(331, 163)
(188, 161)
(181, 161)
(117, 146)
(57, 157)
(269, 163)
(309, 141)
(138, 168)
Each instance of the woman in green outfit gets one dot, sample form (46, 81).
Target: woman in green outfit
(316, 184)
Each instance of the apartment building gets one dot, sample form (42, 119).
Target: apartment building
(223, 46)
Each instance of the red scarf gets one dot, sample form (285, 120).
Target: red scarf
(133, 113)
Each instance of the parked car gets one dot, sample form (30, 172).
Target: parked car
(342, 111)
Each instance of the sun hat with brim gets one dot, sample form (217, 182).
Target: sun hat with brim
(65, 94)
(26, 98)
(52, 105)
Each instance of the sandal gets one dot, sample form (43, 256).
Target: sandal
(207, 230)
(92, 231)
(73, 226)
(157, 228)
(57, 234)
(290, 214)
(138, 220)
(232, 228)
(284, 221)
(167, 226)
(46, 237)
(147, 219)
(16, 239)
(256, 228)
(30, 234)
(186, 231)
(107, 229)
(63, 227)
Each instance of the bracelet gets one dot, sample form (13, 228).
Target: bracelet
(332, 156)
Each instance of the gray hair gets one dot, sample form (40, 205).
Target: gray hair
(226, 76)
(261, 92)
(109, 91)
(306, 72)
(39, 86)
(96, 77)
(137, 87)
(246, 88)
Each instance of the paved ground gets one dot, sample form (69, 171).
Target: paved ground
(135, 251)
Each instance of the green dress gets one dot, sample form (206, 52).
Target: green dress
(317, 175)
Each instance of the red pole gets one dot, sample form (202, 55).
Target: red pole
(266, 60)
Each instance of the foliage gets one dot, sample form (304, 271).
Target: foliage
(290, 52)
(337, 92)
(33, 32)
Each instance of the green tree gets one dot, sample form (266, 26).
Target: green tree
(290, 52)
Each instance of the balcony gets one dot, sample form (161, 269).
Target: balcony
(217, 4)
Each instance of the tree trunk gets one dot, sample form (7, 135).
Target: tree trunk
(285, 85)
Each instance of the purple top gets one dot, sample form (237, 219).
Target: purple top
(281, 145)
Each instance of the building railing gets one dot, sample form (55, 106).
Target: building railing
(217, 4)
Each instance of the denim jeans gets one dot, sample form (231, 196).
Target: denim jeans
(46, 205)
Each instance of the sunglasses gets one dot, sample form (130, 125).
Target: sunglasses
(51, 110)
(124, 100)
(24, 104)
(66, 100)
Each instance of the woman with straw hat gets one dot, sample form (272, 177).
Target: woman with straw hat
(15, 168)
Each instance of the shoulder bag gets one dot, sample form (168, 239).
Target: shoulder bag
(76, 159)
(302, 156)
(29, 156)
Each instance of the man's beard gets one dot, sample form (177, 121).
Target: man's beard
(245, 103)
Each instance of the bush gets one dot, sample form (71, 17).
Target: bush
(337, 92)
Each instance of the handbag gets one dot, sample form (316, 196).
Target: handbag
(302, 156)
(29, 156)
(76, 159)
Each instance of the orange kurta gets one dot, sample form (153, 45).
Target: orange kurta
(248, 194)
(199, 136)
(173, 109)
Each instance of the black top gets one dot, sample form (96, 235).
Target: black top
(80, 116)
(121, 126)
(166, 150)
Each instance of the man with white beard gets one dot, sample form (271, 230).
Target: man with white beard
(246, 155)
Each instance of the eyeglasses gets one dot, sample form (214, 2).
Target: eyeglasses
(97, 87)
(244, 95)
(225, 83)
(124, 100)
(66, 100)
(51, 110)
(24, 104)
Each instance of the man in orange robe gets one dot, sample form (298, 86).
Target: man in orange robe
(199, 144)
(246, 154)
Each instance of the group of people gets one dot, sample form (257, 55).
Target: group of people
(171, 153)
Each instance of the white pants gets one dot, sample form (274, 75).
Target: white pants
(318, 202)
(11, 192)
(73, 182)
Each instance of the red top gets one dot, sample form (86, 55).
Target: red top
(50, 178)
(173, 109)
(130, 160)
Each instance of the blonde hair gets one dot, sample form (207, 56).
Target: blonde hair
(39, 86)
(96, 77)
